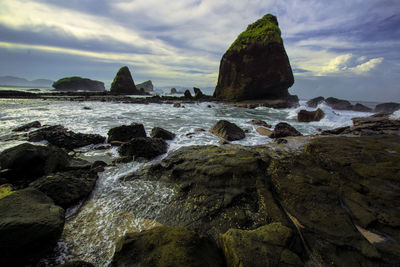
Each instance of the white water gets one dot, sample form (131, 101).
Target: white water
(116, 207)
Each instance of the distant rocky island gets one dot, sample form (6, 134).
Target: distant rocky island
(76, 83)
(11, 81)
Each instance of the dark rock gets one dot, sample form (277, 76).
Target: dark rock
(87, 108)
(125, 133)
(177, 105)
(307, 116)
(66, 188)
(30, 225)
(264, 131)
(198, 94)
(147, 86)
(256, 65)
(78, 84)
(59, 136)
(143, 147)
(123, 83)
(313, 103)
(158, 132)
(284, 129)
(387, 107)
(361, 108)
(173, 91)
(25, 127)
(26, 162)
(167, 246)
(187, 94)
(98, 166)
(260, 123)
(281, 141)
(227, 130)
(338, 104)
(76, 264)
(265, 246)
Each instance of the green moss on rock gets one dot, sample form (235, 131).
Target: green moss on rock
(264, 30)
(5, 190)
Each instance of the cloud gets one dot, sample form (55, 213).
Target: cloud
(347, 63)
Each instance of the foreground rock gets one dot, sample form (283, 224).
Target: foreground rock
(284, 129)
(158, 132)
(78, 84)
(265, 246)
(125, 133)
(308, 116)
(256, 65)
(227, 130)
(25, 127)
(59, 136)
(30, 225)
(387, 108)
(143, 147)
(123, 83)
(167, 246)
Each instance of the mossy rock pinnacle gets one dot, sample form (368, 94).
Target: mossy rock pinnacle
(123, 83)
(256, 65)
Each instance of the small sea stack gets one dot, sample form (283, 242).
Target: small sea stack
(123, 83)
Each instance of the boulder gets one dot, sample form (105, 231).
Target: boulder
(66, 188)
(143, 147)
(26, 127)
(264, 131)
(197, 93)
(338, 104)
(147, 86)
(361, 108)
(123, 83)
(158, 132)
(177, 105)
(313, 103)
(167, 246)
(307, 116)
(30, 226)
(187, 94)
(227, 130)
(265, 246)
(125, 133)
(27, 162)
(78, 84)
(59, 136)
(387, 107)
(284, 129)
(260, 123)
(256, 65)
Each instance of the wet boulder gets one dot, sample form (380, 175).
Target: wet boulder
(158, 132)
(265, 246)
(387, 107)
(27, 162)
(123, 83)
(125, 133)
(30, 226)
(338, 104)
(227, 130)
(25, 127)
(307, 116)
(167, 246)
(284, 129)
(313, 103)
(260, 123)
(59, 136)
(143, 147)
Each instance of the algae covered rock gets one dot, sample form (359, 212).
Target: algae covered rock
(30, 225)
(256, 65)
(78, 84)
(227, 130)
(264, 246)
(123, 83)
(167, 246)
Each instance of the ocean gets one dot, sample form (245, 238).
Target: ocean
(115, 206)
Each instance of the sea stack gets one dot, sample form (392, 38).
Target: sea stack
(123, 83)
(256, 65)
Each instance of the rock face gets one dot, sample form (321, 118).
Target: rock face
(307, 116)
(59, 136)
(147, 86)
(30, 225)
(125, 133)
(143, 147)
(256, 65)
(313, 103)
(78, 84)
(158, 132)
(227, 130)
(284, 129)
(387, 107)
(123, 83)
(264, 246)
(167, 246)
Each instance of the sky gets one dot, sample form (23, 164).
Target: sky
(344, 48)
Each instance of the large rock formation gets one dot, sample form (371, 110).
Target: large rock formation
(123, 83)
(256, 65)
(78, 84)
(147, 86)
